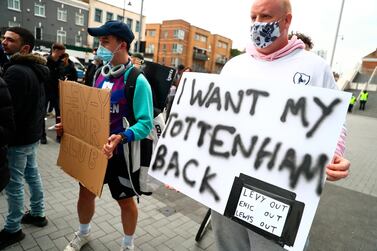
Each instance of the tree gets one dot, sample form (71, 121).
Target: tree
(234, 52)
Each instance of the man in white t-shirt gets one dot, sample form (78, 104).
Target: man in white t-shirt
(273, 57)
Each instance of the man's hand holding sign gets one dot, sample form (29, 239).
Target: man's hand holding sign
(253, 150)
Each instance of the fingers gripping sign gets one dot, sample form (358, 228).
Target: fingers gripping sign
(111, 144)
(338, 168)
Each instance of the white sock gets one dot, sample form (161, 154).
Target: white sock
(84, 229)
(128, 240)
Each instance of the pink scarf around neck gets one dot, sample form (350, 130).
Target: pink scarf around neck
(292, 45)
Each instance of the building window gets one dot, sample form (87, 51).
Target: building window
(164, 47)
(61, 37)
(174, 62)
(13, 24)
(201, 38)
(109, 16)
(14, 4)
(78, 40)
(180, 34)
(129, 23)
(38, 33)
(39, 10)
(80, 19)
(166, 34)
(149, 49)
(152, 33)
(177, 48)
(62, 15)
(120, 18)
(221, 44)
(95, 42)
(137, 28)
(98, 15)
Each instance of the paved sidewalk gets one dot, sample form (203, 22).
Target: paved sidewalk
(345, 220)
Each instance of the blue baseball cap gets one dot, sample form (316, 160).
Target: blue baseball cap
(115, 28)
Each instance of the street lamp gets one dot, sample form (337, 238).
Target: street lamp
(140, 23)
(336, 34)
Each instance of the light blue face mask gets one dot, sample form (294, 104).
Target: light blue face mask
(105, 54)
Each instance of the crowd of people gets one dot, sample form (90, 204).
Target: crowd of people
(29, 87)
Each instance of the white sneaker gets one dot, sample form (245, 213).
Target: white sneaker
(125, 248)
(78, 241)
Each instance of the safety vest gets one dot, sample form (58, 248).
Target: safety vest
(364, 96)
(353, 100)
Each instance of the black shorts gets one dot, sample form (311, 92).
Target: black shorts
(118, 179)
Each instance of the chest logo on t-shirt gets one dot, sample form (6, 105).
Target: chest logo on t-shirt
(301, 78)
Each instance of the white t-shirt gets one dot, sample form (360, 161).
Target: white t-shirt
(299, 67)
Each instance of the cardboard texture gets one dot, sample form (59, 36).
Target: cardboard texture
(86, 119)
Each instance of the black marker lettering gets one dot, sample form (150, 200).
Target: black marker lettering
(295, 108)
(206, 186)
(160, 157)
(189, 182)
(176, 128)
(183, 88)
(173, 164)
(326, 111)
(204, 127)
(256, 95)
(190, 121)
(214, 98)
(229, 101)
(245, 152)
(198, 95)
(171, 116)
(216, 142)
(289, 162)
(262, 154)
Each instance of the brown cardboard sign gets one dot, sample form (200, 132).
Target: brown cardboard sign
(86, 119)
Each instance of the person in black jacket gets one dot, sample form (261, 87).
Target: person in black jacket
(6, 128)
(25, 75)
(92, 68)
(56, 67)
(70, 72)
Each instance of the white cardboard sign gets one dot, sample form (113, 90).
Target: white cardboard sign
(221, 127)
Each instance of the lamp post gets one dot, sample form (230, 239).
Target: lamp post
(140, 22)
(124, 8)
(336, 34)
(140, 26)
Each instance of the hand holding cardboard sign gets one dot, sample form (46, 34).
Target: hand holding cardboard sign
(59, 129)
(338, 169)
(111, 144)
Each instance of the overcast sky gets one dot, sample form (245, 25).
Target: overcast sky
(316, 18)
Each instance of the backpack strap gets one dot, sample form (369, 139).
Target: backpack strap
(129, 90)
(96, 75)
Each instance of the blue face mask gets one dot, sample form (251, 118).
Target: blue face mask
(264, 34)
(105, 54)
